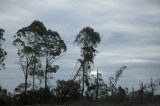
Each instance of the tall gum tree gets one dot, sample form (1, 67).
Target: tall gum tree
(87, 40)
(37, 30)
(52, 47)
(27, 41)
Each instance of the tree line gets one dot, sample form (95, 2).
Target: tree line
(38, 48)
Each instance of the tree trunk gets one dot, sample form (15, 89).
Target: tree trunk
(33, 80)
(26, 83)
(45, 80)
(142, 92)
(26, 78)
(152, 87)
(45, 74)
(97, 86)
(82, 78)
(25, 87)
(34, 74)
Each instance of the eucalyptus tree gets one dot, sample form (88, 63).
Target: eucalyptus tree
(27, 41)
(3, 53)
(87, 40)
(52, 47)
(37, 30)
(38, 48)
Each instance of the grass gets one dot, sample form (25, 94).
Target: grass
(104, 105)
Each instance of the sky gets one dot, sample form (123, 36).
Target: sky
(129, 31)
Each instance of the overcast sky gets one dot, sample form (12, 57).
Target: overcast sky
(129, 29)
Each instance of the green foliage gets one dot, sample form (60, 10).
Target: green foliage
(21, 88)
(5, 98)
(87, 37)
(52, 46)
(68, 90)
(1, 34)
(3, 53)
(3, 92)
(121, 93)
(40, 96)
